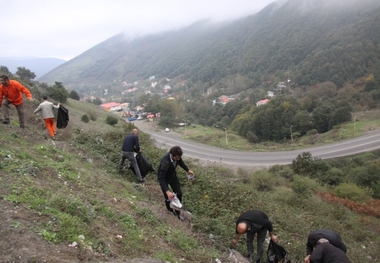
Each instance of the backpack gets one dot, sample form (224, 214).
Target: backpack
(62, 117)
(277, 254)
(144, 165)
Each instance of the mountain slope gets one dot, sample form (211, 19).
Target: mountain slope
(312, 42)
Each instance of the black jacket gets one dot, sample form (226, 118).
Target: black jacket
(256, 220)
(167, 171)
(333, 237)
(327, 253)
(131, 143)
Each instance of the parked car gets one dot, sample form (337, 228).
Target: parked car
(167, 129)
(140, 118)
(131, 118)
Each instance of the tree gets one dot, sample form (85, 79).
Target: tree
(302, 122)
(5, 71)
(58, 92)
(25, 74)
(74, 95)
(306, 165)
(322, 116)
(341, 115)
(370, 83)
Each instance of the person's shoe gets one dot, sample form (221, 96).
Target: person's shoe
(141, 181)
(6, 121)
(22, 126)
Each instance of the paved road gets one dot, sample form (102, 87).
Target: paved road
(365, 143)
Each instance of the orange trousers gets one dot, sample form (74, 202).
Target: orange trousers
(49, 122)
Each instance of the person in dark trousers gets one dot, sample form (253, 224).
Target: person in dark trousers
(167, 175)
(47, 112)
(251, 223)
(333, 237)
(324, 252)
(11, 93)
(130, 146)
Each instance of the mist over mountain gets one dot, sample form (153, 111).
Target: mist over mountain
(39, 66)
(308, 41)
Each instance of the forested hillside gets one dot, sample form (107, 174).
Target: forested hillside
(307, 41)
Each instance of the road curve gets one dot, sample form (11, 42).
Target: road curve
(365, 143)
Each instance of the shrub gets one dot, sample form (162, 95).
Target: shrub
(307, 165)
(334, 176)
(74, 95)
(262, 181)
(85, 118)
(353, 192)
(111, 120)
(283, 171)
(303, 186)
(93, 115)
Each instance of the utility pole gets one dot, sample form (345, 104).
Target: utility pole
(225, 131)
(291, 133)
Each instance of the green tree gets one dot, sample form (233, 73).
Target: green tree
(5, 71)
(322, 116)
(340, 116)
(74, 95)
(58, 92)
(370, 83)
(306, 165)
(25, 74)
(302, 122)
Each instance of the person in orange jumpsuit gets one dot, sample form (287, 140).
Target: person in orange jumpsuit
(47, 112)
(11, 93)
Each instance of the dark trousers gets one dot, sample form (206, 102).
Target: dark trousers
(131, 157)
(261, 234)
(176, 187)
(19, 108)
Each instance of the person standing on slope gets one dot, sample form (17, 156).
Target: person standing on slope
(47, 112)
(11, 93)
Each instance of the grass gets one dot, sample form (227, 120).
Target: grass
(75, 189)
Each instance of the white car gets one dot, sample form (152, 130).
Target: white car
(140, 118)
(167, 130)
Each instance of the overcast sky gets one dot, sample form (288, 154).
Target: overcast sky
(66, 28)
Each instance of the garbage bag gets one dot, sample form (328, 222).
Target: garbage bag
(277, 254)
(144, 165)
(62, 117)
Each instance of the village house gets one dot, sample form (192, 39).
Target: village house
(262, 102)
(111, 106)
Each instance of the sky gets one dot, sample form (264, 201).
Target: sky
(66, 28)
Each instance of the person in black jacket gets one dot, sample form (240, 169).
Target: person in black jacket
(330, 235)
(167, 175)
(252, 222)
(324, 252)
(131, 145)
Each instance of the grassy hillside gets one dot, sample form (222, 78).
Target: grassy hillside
(58, 192)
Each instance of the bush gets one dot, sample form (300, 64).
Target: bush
(262, 181)
(304, 187)
(334, 176)
(283, 171)
(307, 165)
(353, 192)
(85, 118)
(111, 120)
(93, 115)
